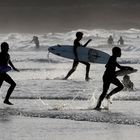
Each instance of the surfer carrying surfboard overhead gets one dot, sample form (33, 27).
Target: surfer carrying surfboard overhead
(110, 76)
(4, 62)
(79, 36)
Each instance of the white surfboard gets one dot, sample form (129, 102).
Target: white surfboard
(84, 54)
(124, 72)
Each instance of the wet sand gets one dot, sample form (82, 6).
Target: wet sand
(27, 128)
(34, 121)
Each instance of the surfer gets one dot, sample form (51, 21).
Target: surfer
(121, 41)
(36, 41)
(110, 77)
(110, 40)
(4, 62)
(79, 36)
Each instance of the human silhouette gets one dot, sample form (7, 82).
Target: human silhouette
(121, 41)
(128, 84)
(4, 62)
(110, 76)
(110, 40)
(79, 36)
(36, 41)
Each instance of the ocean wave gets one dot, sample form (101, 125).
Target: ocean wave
(57, 61)
(99, 36)
(87, 115)
(50, 97)
(129, 61)
(43, 60)
(39, 60)
(79, 97)
(76, 115)
(34, 69)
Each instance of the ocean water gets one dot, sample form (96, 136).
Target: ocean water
(41, 92)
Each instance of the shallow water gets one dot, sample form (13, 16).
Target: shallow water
(41, 93)
(21, 128)
(120, 112)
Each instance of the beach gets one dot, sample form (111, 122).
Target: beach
(47, 107)
(21, 128)
(40, 124)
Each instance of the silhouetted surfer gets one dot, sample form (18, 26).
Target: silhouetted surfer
(121, 41)
(79, 36)
(36, 41)
(110, 40)
(4, 62)
(110, 76)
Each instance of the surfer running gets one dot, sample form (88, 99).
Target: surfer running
(79, 36)
(4, 61)
(110, 77)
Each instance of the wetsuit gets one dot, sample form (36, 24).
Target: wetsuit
(4, 60)
(76, 61)
(110, 77)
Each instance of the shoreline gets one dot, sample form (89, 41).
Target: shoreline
(23, 128)
(120, 112)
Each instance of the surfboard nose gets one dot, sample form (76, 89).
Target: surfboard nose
(51, 49)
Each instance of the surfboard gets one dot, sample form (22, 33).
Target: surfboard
(124, 72)
(84, 53)
(4, 69)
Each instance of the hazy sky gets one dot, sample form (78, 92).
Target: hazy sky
(65, 15)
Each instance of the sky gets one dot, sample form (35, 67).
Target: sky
(37, 16)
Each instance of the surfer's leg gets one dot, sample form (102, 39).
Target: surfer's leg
(9, 80)
(1, 79)
(102, 96)
(87, 70)
(74, 66)
(117, 89)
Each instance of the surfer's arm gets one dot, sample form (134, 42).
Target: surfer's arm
(13, 67)
(87, 42)
(123, 67)
(128, 68)
(120, 67)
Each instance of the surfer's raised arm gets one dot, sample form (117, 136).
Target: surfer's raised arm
(87, 42)
(79, 36)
